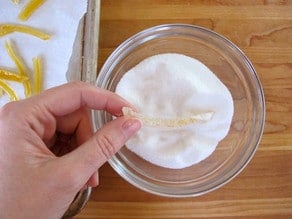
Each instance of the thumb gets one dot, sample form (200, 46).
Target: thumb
(84, 161)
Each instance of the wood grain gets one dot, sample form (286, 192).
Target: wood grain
(263, 30)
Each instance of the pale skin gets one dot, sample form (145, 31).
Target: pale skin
(48, 151)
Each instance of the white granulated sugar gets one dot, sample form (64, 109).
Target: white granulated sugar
(170, 86)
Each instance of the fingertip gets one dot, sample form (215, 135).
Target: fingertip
(131, 126)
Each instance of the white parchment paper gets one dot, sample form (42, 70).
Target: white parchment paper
(58, 18)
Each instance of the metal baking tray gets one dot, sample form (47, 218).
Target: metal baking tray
(83, 61)
(83, 66)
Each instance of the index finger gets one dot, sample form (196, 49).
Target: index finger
(70, 97)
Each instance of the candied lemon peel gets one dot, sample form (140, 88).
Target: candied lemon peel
(169, 122)
(37, 75)
(11, 28)
(29, 9)
(7, 89)
(15, 1)
(20, 66)
(12, 76)
(22, 76)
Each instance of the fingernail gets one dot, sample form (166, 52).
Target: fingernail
(132, 125)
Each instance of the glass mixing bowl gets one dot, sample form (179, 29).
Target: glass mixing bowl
(232, 67)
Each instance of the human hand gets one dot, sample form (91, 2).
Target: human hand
(38, 178)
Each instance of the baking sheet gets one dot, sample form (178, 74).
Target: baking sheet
(84, 59)
(83, 55)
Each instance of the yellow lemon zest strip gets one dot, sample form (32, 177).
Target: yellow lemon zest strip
(12, 76)
(29, 9)
(169, 122)
(20, 66)
(37, 75)
(15, 2)
(8, 90)
(10, 28)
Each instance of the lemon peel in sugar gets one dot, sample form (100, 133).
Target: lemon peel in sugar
(169, 122)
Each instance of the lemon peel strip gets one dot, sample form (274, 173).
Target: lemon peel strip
(37, 75)
(10, 28)
(12, 76)
(29, 9)
(20, 66)
(11, 93)
(167, 122)
(15, 1)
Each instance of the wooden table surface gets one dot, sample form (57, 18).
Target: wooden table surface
(263, 30)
